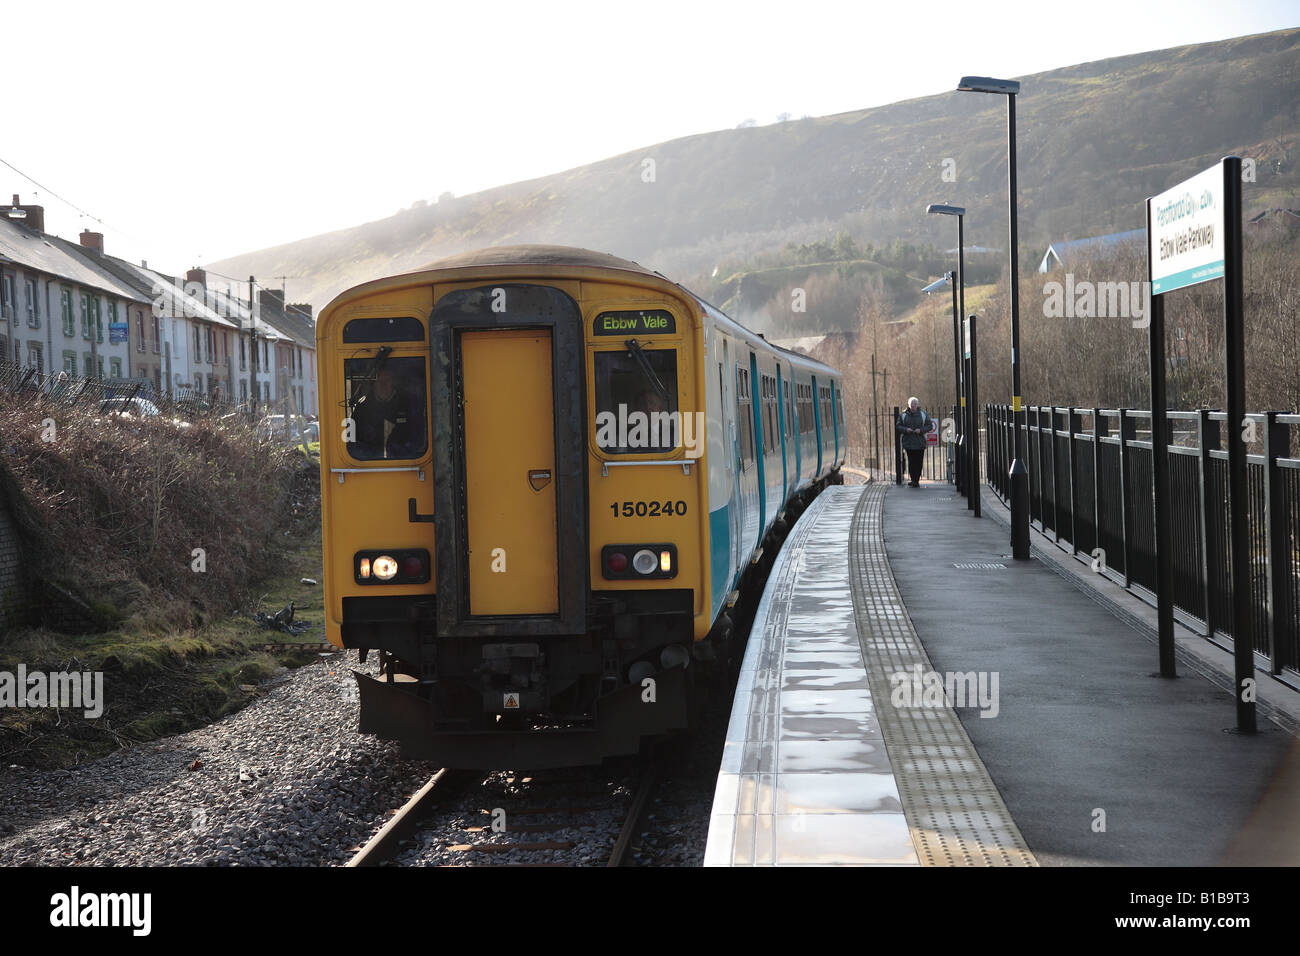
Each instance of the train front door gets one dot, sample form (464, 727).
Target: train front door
(508, 410)
(510, 471)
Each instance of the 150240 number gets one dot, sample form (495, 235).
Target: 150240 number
(648, 509)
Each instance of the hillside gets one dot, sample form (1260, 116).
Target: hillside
(1094, 141)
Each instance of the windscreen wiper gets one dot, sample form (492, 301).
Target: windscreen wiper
(372, 373)
(634, 349)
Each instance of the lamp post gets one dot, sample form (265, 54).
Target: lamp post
(949, 279)
(959, 309)
(1019, 473)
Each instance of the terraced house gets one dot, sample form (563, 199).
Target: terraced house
(59, 311)
(70, 306)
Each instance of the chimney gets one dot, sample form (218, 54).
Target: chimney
(93, 240)
(301, 309)
(271, 300)
(197, 275)
(33, 217)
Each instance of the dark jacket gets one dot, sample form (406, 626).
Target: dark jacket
(913, 419)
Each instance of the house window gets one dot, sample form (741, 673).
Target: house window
(198, 344)
(139, 331)
(34, 357)
(70, 362)
(89, 364)
(157, 336)
(85, 317)
(243, 390)
(7, 297)
(115, 368)
(65, 297)
(33, 305)
(99, 318)
(243, 359)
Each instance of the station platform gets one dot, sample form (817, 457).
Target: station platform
(819, 766)
(1064, 749)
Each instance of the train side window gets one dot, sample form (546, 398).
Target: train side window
(386, 400)
(636, 401)
(745, 412)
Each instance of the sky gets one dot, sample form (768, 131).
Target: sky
(188, 133)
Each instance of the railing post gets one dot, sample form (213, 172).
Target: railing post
(1056, 492)
(1207, 440)
(1038, 444)
(1127, 432)
(1074, 423)
(1278, 568)
(898, 448)
(1100, 430)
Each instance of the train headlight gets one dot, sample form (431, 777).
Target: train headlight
(634, 562)
(645, 561)
(391, 566)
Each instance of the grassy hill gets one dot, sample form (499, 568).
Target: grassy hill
(1094, 141)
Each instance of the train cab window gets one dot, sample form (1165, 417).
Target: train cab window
(636, 401)
(386, 399)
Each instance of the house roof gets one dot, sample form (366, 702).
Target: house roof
(1115, 240)
(50, 255)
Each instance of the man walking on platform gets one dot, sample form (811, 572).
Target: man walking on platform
(912, 425)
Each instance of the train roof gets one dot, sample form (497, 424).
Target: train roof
(538, 255)
(574, 257)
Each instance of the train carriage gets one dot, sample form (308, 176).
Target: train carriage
(547, 475)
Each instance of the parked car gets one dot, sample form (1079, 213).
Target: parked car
(285, 428)
(138, 407)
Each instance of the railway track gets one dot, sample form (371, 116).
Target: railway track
(560, 819)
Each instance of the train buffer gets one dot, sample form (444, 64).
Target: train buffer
(911, 695)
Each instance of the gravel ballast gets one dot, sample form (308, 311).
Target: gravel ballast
(285, 781)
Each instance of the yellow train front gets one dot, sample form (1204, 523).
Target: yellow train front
(515, 504)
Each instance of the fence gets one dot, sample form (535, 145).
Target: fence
(138, 397)
(1090, 487)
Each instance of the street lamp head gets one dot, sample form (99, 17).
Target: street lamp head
(938, 284)
(941, 209)
(986, 84)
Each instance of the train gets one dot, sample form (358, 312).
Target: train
(550, 478)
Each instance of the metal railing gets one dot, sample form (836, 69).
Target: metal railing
(1090, 491)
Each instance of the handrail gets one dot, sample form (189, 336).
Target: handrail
(1095, 497)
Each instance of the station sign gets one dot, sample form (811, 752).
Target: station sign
(1185, 243)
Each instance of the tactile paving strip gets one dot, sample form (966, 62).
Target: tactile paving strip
(955, 813)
